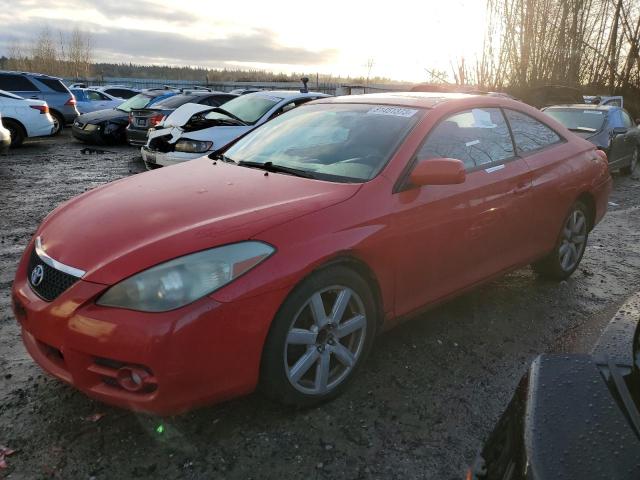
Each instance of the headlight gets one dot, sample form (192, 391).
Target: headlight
(184, 280)
(90, 127)
(193, 146)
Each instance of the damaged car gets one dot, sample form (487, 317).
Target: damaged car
(108, 126)
(274, 263)
(196, 130)
(573, 416)
(141, 120)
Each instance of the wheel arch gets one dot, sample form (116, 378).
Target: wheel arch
(20, 124)
(590, 202)
(350, 260)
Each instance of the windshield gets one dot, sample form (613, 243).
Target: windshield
(575, 119)
(139, 101)
(248, 108)
(335, 142)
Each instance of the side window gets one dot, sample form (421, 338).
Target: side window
(94, 96)
(477, 137)
(16, 83)
(79, 94)
(529, 133)
(626, 119)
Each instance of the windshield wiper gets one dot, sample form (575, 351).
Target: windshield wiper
(228, 114)
(223, 158)
(271, 167)
(583, 129)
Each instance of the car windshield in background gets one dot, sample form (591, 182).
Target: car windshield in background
(176, 101)
(248, 108)
(576, 119)
(139, 101)
(349, 143)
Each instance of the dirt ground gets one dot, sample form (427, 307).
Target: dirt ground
(431, 391)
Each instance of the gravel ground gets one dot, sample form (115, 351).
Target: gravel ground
(431, 391)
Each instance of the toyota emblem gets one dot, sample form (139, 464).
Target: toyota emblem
(37, 275)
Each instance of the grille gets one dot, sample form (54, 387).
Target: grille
(54, 282)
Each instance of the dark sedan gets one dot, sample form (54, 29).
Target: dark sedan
(608, 127)
(108, 126)
(142, 119)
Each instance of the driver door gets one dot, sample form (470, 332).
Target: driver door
(450, 237)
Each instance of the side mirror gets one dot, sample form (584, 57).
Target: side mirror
(438, 171)
(618, 131)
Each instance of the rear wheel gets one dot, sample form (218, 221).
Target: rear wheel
(566, 256)
(629, 169)
(16, 131)
(319, 338)
(58, 123)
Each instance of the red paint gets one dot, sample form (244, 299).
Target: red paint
(422, 244)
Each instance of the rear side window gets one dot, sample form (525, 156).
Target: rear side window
(53, 84)
(79, 94)
(529, 133)
(16, 83)
(120, 93)
(96, 96)
(477, 137)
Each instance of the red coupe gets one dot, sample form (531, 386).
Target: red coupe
(275, 263)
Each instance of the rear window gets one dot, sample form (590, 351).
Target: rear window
(120, 92)
(176, 101)
(139, 101)
(16, 83)
(578, 119)
(53, 84)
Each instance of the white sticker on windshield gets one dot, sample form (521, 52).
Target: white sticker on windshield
(471, 144)
(592, 112)
(395, 111)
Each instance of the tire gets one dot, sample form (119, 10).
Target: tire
(16, 130)
(309, 357)
(58, 122)
(629, 169)
(570, 247)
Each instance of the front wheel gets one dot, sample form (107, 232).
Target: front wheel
(629, 169)
(319, 338)
(566, 256)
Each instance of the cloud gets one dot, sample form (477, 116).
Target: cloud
(143, 46)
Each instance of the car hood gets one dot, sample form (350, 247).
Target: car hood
(103, 115)
(124, 227)
(181, 115)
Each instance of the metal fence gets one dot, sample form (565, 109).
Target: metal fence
(322, 87)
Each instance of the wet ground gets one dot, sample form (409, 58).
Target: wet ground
(431, 391)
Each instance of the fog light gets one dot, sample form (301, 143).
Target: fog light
(131, 378)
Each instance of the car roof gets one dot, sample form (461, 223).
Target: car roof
(31, 74)
(405, 99)
(585, 106)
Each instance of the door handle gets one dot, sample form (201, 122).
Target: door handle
(522, 188)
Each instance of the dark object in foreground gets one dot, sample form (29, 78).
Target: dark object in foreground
(573, 416)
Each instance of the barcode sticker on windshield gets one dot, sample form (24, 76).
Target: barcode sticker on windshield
(395, 111)
(592, 112)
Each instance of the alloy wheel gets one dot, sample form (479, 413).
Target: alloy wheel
(321, 348)
(574, 240)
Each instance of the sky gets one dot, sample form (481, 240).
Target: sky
(402, 38)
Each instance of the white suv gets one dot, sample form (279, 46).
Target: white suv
(25, 118)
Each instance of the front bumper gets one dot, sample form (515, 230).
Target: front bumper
(94, 137)
(202, 353)
(153, 159)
